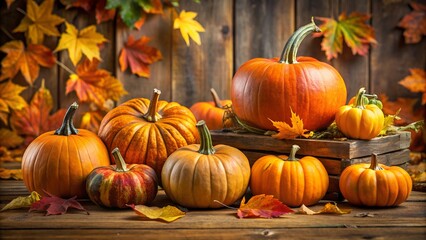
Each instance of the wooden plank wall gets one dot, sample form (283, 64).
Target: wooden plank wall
(236, 31)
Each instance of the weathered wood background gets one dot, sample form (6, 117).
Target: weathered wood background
(236, 31)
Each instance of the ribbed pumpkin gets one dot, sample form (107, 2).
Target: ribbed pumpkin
(268, 89)
(148, 131)
(196, 175)
(374, 184)
(59, 161)
(121, 184)
(211, 112)
(293, 181)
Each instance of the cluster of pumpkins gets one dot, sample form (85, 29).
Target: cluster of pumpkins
(144, 143)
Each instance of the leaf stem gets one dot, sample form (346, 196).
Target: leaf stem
(64, 67)
(216, 201)
(7, 33)
(21, 11)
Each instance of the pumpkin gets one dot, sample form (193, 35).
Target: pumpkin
(196, 175)
(121, 184)
(368, 99)
(211, 112)
(359, 121)
(374, 184)
(291, 180)
(148, 131)
(58, 162)
(269, 89)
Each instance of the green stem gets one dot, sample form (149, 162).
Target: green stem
(289, 53)
(119, 161)
(359, 103)
(67, 128)
(151, 115)
(374, 164)
(216, 98)
(292, 155)
(206, 144)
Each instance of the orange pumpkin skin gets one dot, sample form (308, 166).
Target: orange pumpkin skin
(293, 182)
(268, 89)
(375, 185)
(59, 164)
(148, 131)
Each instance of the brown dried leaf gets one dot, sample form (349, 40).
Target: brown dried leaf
(414, 23)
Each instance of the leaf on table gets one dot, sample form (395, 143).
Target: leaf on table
(10, 99)
(329, 208)
(11, 174)
(305, 210)
(263, 206)
(286, 131)
(357, 34)
(94, 85)
(416, 82)
(35, 119)
(138, 55)
(10, 139)
(168, 213)
(39, 21)
(389, 123)
(131, 11)
(27, 61)
(21, 202)
(79, 42)
(189, 28)
(414, 23)
(54, 205)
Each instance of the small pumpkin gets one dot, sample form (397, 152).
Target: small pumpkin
(359, 121)
(374, 184)
(291, 180)
(59, 161)
(211, 112)
(121, 184)
(196, 175)
(368, 99)
(148, 131)
(269, 89)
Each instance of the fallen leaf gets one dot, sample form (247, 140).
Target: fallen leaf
(55, 205)
(168, 213)
(39, 21)
(329, 208)
(21, 202)
(9, 138)
(286, 131)
(10, 174)
(79, 42)
(414, 23)
(416, 82)
(357, 34)
(138, 55)
(305, 210)
(264, 206)
(189, 28)
(27, 61)
(10, 99)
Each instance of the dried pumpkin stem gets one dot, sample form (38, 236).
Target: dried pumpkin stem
(206, 144)
(292, 155)
(119, 161)
(216, 98)
(289, 53)
(151, 115)
(374, 165)
(67, 128)
(359, 103)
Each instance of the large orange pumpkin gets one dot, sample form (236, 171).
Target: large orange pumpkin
(374, 184)
(59, 161)
(268, 89)
(148, 131)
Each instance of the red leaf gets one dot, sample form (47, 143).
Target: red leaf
(56, 206)
(414, 23)
(264, 206)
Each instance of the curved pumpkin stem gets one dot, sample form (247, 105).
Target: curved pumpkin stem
(206, 144)
(374, 165)
(67, 128)
(119, 161)
(289, 53)
(151, 115)
(359, 103)
(292, 155)
(216, 98)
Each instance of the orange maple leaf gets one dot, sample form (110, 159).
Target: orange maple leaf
(10, 99)
(94, 85)
(138, 56)
(27, 61)
(264, 206)
(91, 120)
(416, 82)
(405, 105)
(286, 131)
(414, 23)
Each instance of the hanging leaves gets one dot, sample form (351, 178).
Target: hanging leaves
(168, 213)
(414, 23)
(53, 205)
(357, 34)
(10, 99)
(416, 82)
(286, 131)
(263, 206)
(79, 42)
(189, 28)
(138, 56)
(27, 61)
(21, 202)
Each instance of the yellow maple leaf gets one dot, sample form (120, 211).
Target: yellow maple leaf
(168, 213)
(10, 98)
(189, 28)
(79, 42)
(39, 21)
(21, 202)
(286, 131)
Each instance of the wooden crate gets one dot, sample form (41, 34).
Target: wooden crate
(335, 155)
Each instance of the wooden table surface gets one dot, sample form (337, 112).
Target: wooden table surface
(408, 221)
